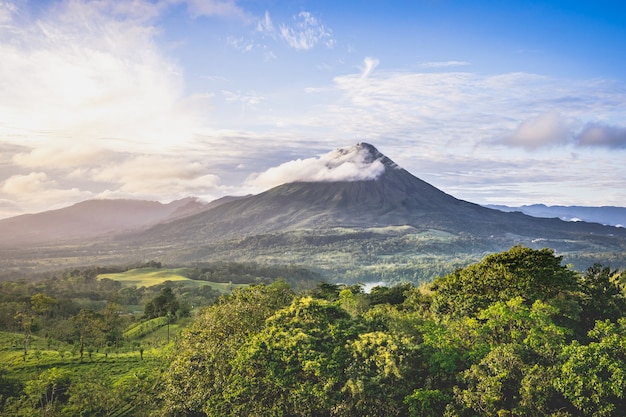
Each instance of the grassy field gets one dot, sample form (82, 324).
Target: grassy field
(47, 353)
(146, 277)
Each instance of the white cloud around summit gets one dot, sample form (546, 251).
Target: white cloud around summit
(350, 164)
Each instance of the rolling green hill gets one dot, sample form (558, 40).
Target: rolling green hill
(147, 277)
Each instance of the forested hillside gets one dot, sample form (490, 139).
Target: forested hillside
(517, 334)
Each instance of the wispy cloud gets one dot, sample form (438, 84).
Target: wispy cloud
(307, 32)
(240, 43)
(444, 64)
(66, 156)
(153, 174)
(249, 98)
(368, 66)
(222, 8)
(469, 109)
(265, 24)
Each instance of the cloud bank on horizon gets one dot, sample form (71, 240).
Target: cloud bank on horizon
(170, 98)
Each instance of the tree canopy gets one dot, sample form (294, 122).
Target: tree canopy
(486, 340)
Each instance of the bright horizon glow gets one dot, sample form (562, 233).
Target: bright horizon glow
(164, 99)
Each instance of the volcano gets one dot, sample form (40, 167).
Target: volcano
(386, 195)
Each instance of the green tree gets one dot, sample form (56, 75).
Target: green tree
(353, 303)
(602, 297)
(89, 329)
(390, 295)
(292, 367)
(424, 402)
(113, 324)
(42, 306)
(25, 321)
(532, 274)
(9, 387)
(593, 376)
(202, 362)
(380, 372)
(163, 304)
(522, 346)
(45, 393)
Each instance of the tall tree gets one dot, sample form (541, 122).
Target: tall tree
(520, 271)
(43, 305)
(203, 359)
(293, 367)
(593, 376)
(89, 329)
(602, 296)
(163, 304)
(522, 346)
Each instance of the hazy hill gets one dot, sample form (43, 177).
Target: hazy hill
(608, 215)
(92, 218)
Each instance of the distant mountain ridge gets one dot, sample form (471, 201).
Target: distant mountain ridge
(607, 215)
(93, 219)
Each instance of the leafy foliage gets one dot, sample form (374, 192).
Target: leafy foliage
(487, 340)
(524, 272)
(515, 334)
(203, 362)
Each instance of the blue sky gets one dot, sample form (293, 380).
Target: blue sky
(493, 102)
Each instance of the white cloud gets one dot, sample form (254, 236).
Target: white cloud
(548, 129)
(60, 156)
(38, 192)
(86, 71)
(304, 33)
(26, 184)
(222, 8)
(368, 66)
(444, 64)
(240, 43)
(7, 11)
(350, 164)
(157, 175)
(461, 111)
(265, 25)
(602, 135)
(249, 99)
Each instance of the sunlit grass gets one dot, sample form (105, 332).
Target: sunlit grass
(48, 353)
(147, 277)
